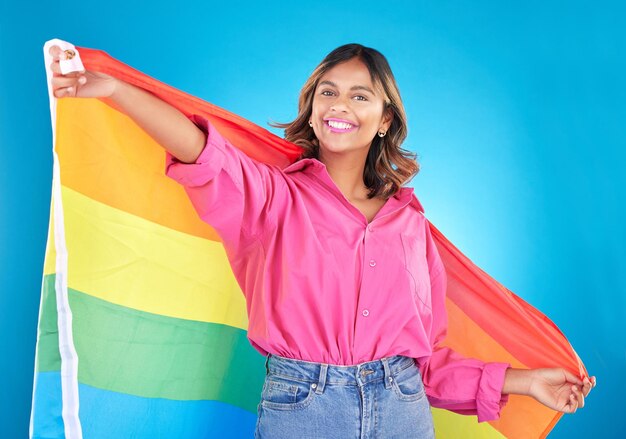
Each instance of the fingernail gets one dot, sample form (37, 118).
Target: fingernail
(82, 80)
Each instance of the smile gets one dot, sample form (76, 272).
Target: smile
(339, 127)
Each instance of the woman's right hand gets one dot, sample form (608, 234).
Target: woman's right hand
(166, 124)
(83, 84)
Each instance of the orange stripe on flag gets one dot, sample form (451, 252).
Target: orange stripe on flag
(86, 147)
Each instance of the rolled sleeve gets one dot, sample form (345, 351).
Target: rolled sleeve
(462, 385)
(489, 398)
(207, 165)
(237, 195)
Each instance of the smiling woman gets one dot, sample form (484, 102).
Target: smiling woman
(368, 111)
(354, 86)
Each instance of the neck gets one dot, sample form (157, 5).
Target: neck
(346, 170)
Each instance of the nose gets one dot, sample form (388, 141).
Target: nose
(339, 104)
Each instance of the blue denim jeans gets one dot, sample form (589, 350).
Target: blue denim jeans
(372, 400)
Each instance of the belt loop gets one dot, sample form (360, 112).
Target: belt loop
(319, 389)
(388, 377)
(267, 359)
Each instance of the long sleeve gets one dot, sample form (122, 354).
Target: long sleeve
(463, 385)
(232, 192)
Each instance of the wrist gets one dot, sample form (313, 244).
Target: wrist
(517, 381)
(118, 90)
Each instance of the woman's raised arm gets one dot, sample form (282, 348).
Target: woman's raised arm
(241, 198)
(164, 123)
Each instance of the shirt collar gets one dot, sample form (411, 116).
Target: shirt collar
(302, 164)
(406, 195)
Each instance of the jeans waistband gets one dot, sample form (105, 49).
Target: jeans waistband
(321, 374)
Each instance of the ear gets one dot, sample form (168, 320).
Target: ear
(387, 118)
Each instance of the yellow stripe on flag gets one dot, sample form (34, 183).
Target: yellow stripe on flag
(450, 425)
(132, 262)
(49, 263)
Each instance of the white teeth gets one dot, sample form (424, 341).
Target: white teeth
(339, 125)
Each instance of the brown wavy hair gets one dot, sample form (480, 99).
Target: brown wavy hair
(387, 166)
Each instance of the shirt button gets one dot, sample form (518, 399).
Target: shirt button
(372, 263)
(366, 313)
(370, 228)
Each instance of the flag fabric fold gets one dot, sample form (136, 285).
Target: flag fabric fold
(142, 326)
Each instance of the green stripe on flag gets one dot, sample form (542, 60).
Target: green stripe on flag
(154, 356)
(48, 355)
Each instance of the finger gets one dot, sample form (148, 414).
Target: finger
(573, 403)
(55, 52)
(62, 81)
(55, 67)
(59, 92)
(580, 397)
(572, 378)
(64, 92)
(587, 385)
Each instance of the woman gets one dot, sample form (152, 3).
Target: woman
(352, 330)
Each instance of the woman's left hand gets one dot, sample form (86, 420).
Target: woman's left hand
(559, 389)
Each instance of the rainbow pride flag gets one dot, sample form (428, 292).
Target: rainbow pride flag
(142, 326)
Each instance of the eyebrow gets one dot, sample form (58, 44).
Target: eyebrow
(355, 87)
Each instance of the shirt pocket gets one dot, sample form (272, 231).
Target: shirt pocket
(416, 265)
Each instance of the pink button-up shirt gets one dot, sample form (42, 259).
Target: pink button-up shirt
(323, 285)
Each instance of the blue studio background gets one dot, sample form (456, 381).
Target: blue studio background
(516, 110)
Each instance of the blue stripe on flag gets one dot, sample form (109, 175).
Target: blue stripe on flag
(105, 414)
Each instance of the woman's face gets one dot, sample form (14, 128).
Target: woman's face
(347, 111)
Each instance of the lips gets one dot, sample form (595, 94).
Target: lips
(340, 125)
